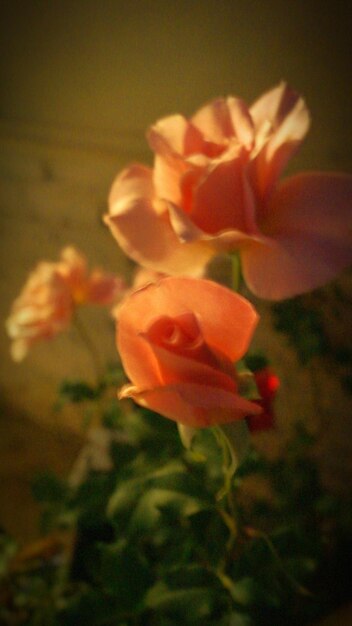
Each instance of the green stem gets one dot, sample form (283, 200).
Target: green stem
(91, 348)
(229, 516)
(236, 272)
(293, 582)
(229, 464)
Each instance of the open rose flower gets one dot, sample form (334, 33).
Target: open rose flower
(178, 340)
(214, 188)
(48, 299)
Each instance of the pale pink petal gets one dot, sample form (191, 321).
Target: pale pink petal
(214, 121)
(242, 122)
(19, 349)
(175, 135)
(43, 308)
(73, 267)
(193, 404)
(309, 229)
(141, 225)
(104, 288)
(282, 121)
(225, 119)
(167, 173)
(274, 106)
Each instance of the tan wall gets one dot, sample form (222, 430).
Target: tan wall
(81, 80)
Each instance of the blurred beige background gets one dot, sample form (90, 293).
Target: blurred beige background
(81, 80)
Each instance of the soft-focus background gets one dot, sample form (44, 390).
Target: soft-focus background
(81, 80)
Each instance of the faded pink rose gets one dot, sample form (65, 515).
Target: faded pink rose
(178, 340)
(214, 188)
(49, 297)
(95, 287)
(43, 309)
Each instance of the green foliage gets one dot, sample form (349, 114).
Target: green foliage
(77, 391)
(304, 322)
(153, 544)
(303, 327)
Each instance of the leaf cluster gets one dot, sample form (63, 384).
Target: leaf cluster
(150, 542)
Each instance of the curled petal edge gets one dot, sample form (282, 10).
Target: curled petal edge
(192, 404)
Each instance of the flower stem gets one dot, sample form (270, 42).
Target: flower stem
(253, 532)
(236, 272)
(91, 347)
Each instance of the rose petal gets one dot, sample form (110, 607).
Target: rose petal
(142, 227)
(242, 122)
(175, 135)
(193, 404)
(167, 174)
(177, 368)
(309, 230)
(173, 139)
(224, 241)
(217, 308)
(274, 106)
(214, 121)
(220, 198)
(104, 288)
(285, 115)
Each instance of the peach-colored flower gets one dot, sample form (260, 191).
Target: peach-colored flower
(47, 301)
(43, 309)
(214, 188)
(178, 340)
(96, 287)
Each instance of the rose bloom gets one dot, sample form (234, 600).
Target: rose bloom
(95, 287)
(214, 188)
(178, 340)
(48, 299)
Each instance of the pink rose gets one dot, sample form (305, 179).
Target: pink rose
(43, 309)
(95, 287)
(214, 188)
(48, 299)
(178, 340)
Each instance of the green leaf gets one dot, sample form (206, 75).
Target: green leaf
(49, 488)
(125, 574)
(148, 512)
(90, 607)
(256, 361)
(171, 477)
(209, 535)
(77, 391)
(303, 327)
(189, 604)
